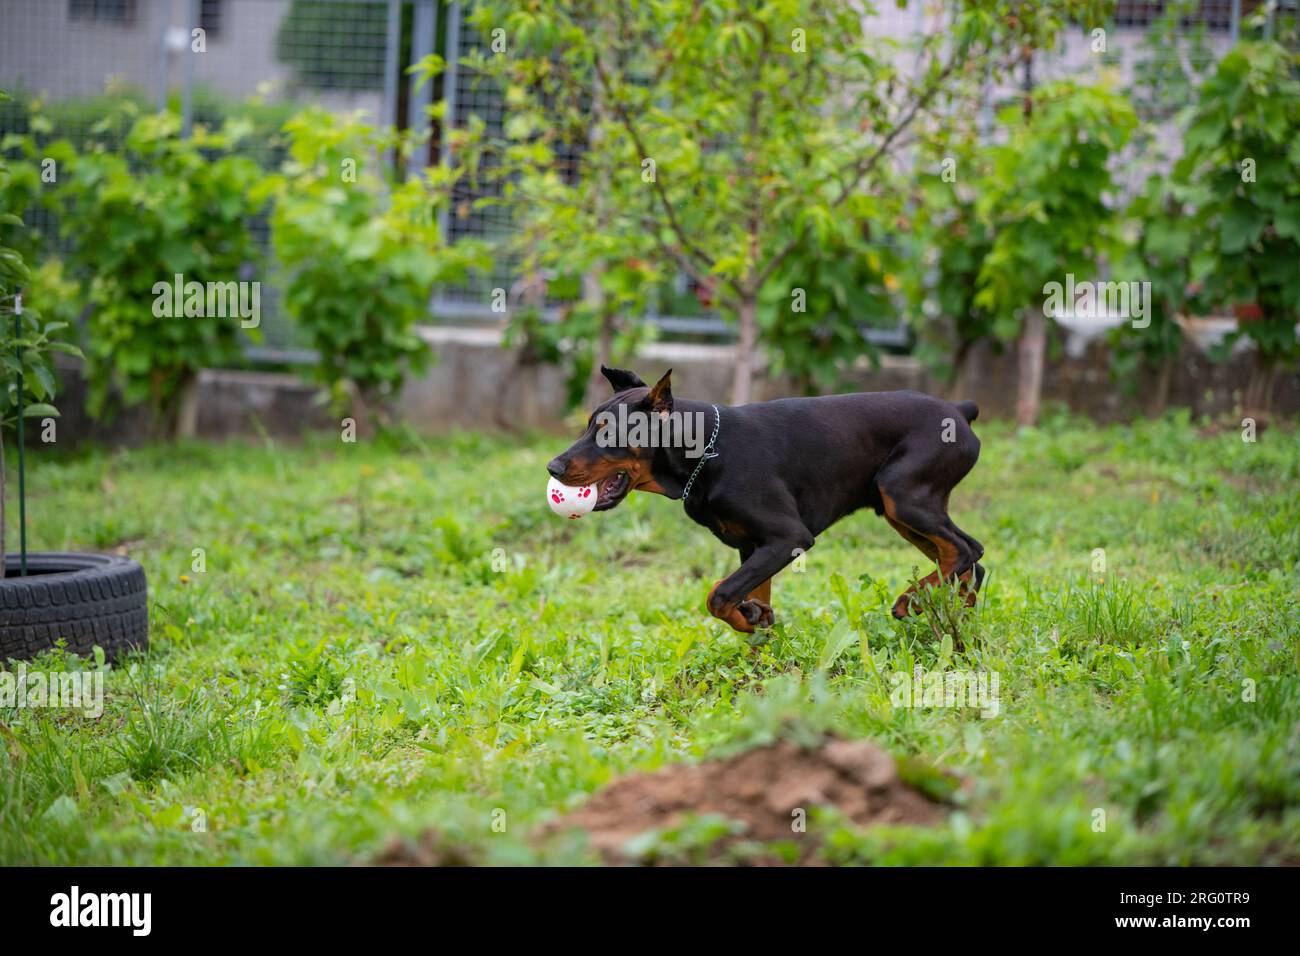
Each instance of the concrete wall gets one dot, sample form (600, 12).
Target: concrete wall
(476, 383)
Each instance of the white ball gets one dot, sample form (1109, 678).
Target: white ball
(568, 501)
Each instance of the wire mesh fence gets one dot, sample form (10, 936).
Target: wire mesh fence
(79, 63)
(471, 94)
(263, 60)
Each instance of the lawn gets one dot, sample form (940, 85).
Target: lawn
(394, 638)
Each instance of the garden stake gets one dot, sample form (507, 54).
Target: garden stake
(22, 464)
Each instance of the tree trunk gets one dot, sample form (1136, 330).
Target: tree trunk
(592, 292)
(597, 387)
(1164, 378)
(743, 383)
(1257, 403)
(960, 362)
(1029, 378)
(366, 410)
(187, 420)
(514, 381)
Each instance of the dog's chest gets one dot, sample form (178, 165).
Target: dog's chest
(730, 532)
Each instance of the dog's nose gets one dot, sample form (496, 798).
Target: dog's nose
(556, 467)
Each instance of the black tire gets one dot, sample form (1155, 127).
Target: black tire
(83, 599)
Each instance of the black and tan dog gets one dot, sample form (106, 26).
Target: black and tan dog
(780, 473)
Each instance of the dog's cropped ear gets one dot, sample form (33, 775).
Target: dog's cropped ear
(661, 396)
(621, 379)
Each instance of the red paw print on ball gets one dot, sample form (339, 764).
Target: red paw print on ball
(557, 497)
(584, 492)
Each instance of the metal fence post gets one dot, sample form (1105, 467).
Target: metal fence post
(392, 61)
(1235, 28)
(423, 40)
(164, 66)
(187, 92)
(22, 442)
(451, 53)
(392, 64)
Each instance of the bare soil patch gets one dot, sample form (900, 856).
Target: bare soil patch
(762, 790)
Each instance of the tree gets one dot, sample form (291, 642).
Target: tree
(1237, 175)
(361, 252)
(728, 133)
(25, 342)
(163, 207)
(1159, 254)
(1173, 62)
(814, 310)
(948, 243)
(1048, 204)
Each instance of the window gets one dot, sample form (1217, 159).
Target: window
(105, 11)
(210, 17)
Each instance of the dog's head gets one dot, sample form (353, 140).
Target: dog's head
(602, 455)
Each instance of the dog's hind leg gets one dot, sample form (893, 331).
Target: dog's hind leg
(973, 579)
(922, 544)
(921, 513)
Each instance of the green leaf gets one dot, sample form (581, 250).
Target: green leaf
(839, 640)
(1241, 227)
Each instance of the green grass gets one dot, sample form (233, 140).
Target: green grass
(358, 662)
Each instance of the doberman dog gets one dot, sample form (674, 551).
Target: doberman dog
(780, 473)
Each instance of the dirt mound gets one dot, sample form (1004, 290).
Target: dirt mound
(760, 790)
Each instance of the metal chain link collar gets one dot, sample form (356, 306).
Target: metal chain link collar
(708, 453)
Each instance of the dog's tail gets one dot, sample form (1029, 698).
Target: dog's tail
(969, 410)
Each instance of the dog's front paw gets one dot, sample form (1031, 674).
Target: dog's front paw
(757, 613)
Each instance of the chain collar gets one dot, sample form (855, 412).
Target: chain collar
(708, 453)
